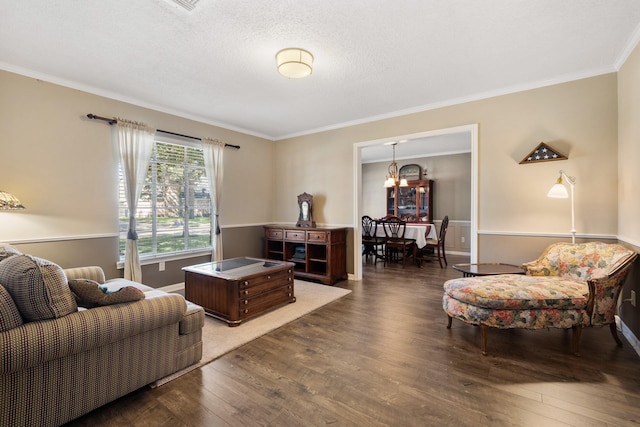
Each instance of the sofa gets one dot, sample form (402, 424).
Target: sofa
(60, 360)
(568, 286)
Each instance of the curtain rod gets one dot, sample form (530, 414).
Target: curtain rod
(114, 121)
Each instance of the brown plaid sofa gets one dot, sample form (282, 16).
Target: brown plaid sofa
(58, 362)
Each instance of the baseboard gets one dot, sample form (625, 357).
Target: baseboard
(628, 334)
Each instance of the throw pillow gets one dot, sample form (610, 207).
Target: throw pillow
(38, 287)
(9, 315)
(7, 250)
(90, 293)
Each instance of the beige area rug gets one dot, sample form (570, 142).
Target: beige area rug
(219, 339)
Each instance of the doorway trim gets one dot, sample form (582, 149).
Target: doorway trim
(472, 129)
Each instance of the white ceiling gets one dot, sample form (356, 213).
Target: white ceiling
(373, 58)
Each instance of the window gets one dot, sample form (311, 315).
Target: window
(174, 210)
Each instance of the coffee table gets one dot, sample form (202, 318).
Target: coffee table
(238, 289)
(487, 269)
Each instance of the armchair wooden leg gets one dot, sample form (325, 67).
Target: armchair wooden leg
(614, 332)
(575, 339)
(483, 339)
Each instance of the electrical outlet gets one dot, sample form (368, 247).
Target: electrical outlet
(633, 298)
(462, 239)
(161, 266)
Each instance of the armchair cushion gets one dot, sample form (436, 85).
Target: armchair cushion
(38, 287)
(518, 292)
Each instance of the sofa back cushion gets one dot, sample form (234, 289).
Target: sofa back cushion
(38, 287)
(9, 315)
(582, 261)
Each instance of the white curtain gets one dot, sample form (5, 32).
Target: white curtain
(135, 145)
(213, 154)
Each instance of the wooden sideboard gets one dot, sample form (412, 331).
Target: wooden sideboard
(318, 253)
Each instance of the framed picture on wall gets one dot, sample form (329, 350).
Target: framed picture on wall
(410, 172)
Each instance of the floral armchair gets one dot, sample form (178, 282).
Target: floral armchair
(568, 286)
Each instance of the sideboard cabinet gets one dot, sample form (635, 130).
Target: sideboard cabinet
(414, 201)
(318, 253)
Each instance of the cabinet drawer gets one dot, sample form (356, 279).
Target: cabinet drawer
(280, 275)
(294, 235)
(316, 236)
(274, 233)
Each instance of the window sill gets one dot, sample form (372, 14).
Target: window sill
(154, 259)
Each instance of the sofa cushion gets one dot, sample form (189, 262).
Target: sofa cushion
(9, 315)
(518, 292)
(38, 287)
(90, 293)
(7, 250)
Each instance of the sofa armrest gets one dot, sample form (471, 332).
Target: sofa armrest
(34, 343)
(93, 272)
(604, 292)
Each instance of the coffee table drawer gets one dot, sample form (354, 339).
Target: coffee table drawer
(265, 301)
(285, 279)
(278, 276)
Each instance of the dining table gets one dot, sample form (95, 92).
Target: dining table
(415, 231)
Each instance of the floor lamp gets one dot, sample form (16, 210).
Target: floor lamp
(559, 191)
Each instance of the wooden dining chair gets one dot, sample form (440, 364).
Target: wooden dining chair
(372, 244)
(435, 247)
(396, 243)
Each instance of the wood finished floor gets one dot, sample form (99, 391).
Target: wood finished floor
(382, 356)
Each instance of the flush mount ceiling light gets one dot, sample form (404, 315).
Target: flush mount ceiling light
(294, 63)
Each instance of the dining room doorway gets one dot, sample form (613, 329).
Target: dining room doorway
(423, 144)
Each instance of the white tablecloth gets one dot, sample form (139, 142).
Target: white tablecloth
(414, 231)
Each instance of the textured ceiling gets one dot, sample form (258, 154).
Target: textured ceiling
(373, 58)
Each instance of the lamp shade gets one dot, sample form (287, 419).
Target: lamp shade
(9, 202)
(558, 191)
(294, 63)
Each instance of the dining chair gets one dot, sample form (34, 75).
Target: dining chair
(436, 246)
(396, 243)
(372, 244)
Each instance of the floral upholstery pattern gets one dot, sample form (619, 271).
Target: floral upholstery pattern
(569, 285)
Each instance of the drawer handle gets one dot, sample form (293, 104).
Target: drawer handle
(289, 294)
(246, 311)
(289, 271)
(246, 302)
(246, 292)
(246, 283)
(289, 278)
(268, 276)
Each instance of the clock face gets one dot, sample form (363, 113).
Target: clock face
(410, 172)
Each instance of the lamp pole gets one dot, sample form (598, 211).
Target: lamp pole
(572, 183)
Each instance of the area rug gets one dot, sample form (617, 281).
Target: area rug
(218, 338)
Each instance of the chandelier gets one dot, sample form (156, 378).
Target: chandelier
(392, 178)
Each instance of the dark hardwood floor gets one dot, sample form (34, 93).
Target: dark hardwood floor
(382, 356)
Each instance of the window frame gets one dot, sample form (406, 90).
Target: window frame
(155, 256)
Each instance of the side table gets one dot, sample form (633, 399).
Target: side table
(487, 269)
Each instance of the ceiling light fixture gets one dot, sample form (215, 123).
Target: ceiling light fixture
(294, 63)
(392, 178)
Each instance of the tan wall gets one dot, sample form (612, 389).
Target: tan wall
(578, 118)
(63, 167)
(629, 177)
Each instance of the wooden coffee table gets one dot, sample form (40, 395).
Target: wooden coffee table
(238, 289)
(487, 269)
